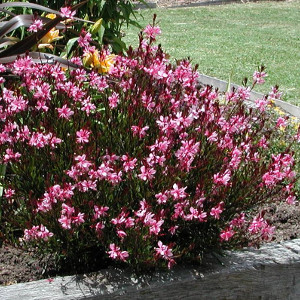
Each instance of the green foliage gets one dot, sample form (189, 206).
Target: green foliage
(235, 37)
(114, 15)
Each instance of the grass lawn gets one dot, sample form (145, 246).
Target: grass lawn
(235, 38)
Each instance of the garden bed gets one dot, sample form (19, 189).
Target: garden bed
(272, 272)
(178, 159)
(17, 265)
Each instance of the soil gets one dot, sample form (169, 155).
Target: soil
(18, 265)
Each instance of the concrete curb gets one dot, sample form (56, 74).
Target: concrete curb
(222, 86)
(271, 272)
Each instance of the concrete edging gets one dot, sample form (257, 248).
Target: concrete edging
(271, 272)
(222, 86)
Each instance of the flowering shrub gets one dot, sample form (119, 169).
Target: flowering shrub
(140, 165)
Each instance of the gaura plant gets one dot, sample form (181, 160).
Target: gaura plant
(136, 163)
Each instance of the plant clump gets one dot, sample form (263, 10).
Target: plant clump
(134, 162)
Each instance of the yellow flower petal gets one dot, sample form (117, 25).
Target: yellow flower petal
(51, 16)
(87, 59)
(51, 36)
(96, 61)
(106, 63)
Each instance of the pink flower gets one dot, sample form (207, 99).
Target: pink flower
(36, 25)
(44, 233)
(113, 100)
(274, 94)
(115, 253)
(146, 173)
(84, 39)
(236, 158)
(155, 228)
(79, 219)
(238, 221)
(138, 131)
(2, 68)
(173, 229)
(129, 164)
(256, 225)
(121, 234)
(164, 251)
(100, 211)
(37, 232)
(217, 210)
(65, 222)
(82, 136)
(9, 193)
(244, 93)
(161, 197)
(129, 222)
(67, 13)
(82, 163)
(67, 210)
(178, 193)
(227, 234)
(261, 104)
(65, 112)
(98, 227)
(281, 122)
(152, 31)
(222, 178)
(291, 200)
(259, 77)
(23, 65)
(196, 214)
(85, 185)
(11, 156)
(263, 143)
(88, 106)
(123, 255)
(267, 232)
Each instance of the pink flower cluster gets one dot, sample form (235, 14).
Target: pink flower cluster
(37, 233)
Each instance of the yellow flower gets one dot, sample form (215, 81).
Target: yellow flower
(106, 63)
(295, 122)
(50, 36)
(102, 64)
(87, 59)
(279, 111)
(51, 16)
(282, 143)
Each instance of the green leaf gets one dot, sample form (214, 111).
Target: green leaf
(101, 32)
(118, 45)
(68, 47)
